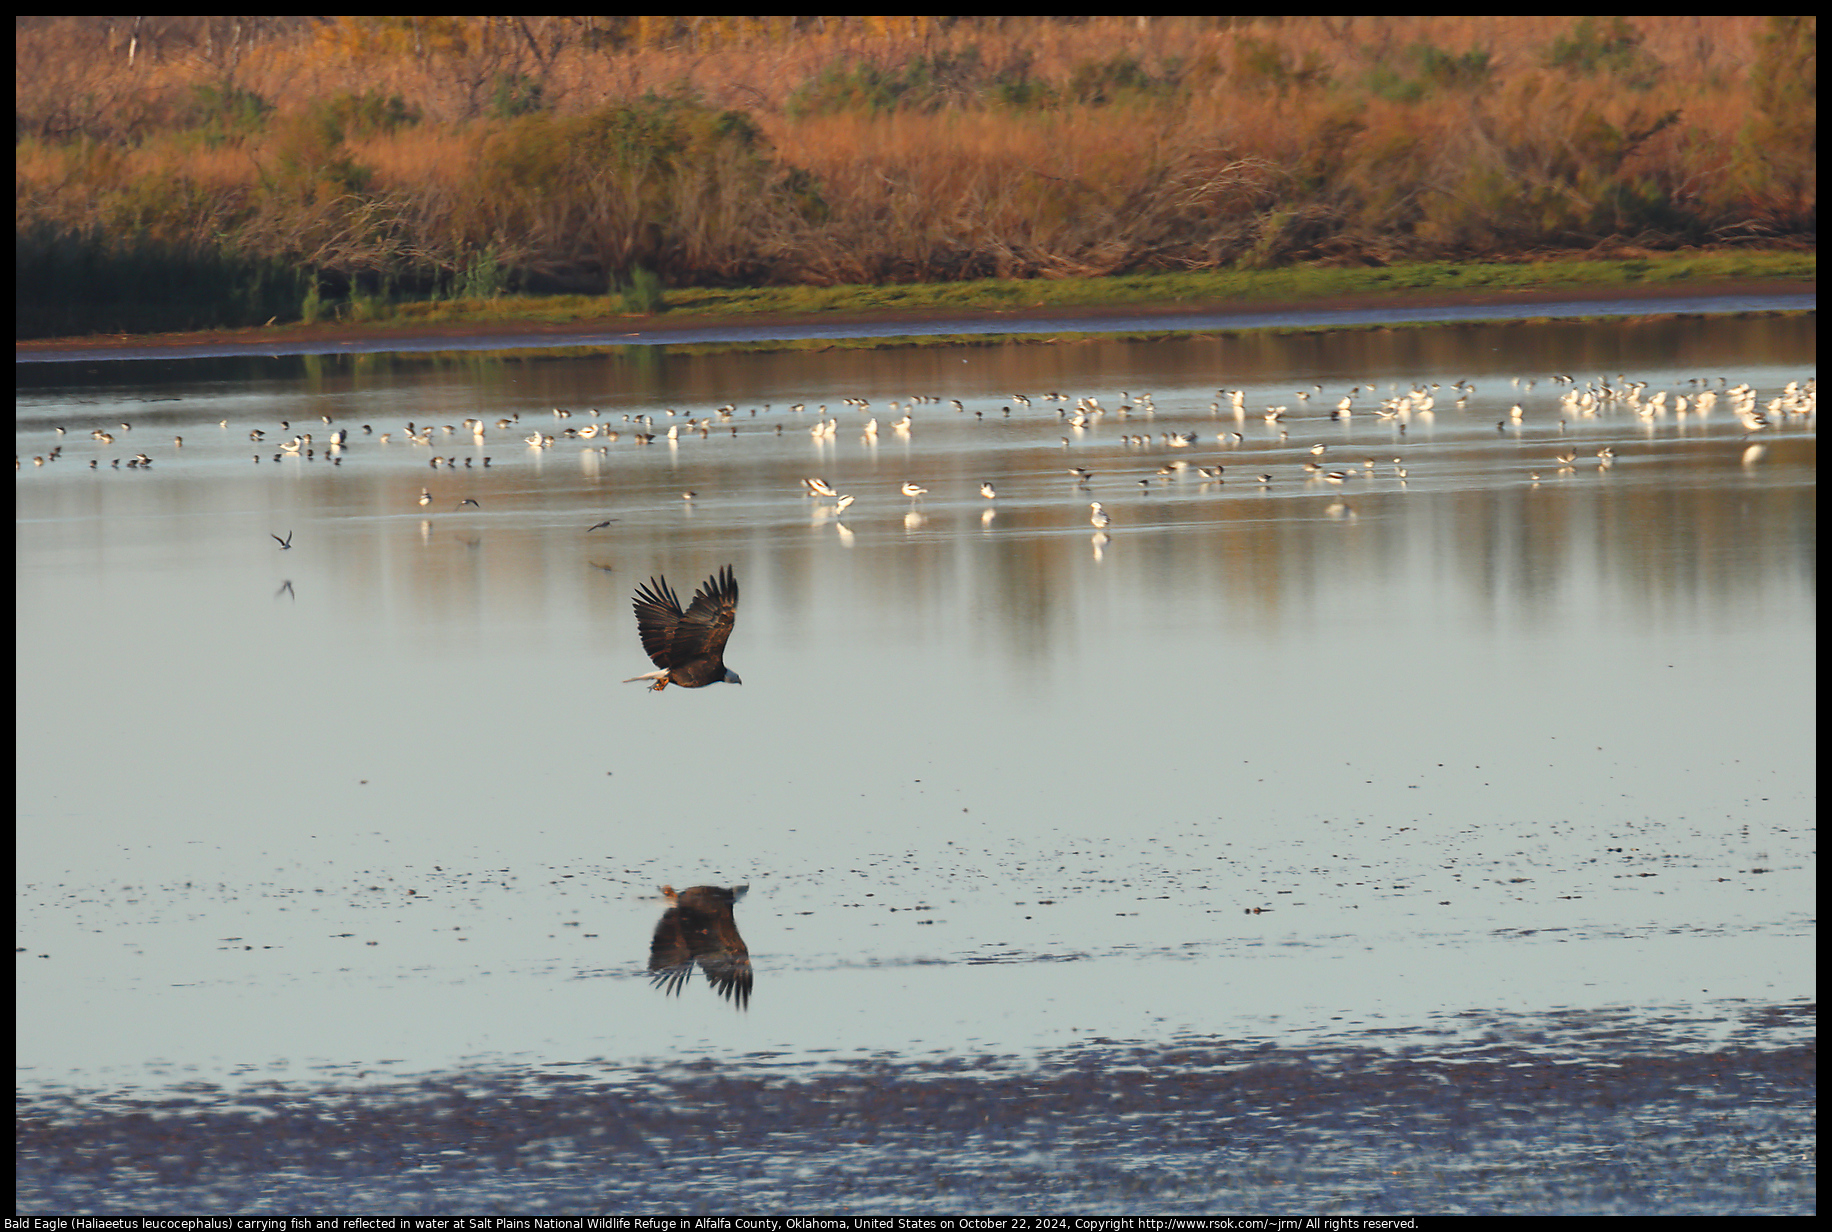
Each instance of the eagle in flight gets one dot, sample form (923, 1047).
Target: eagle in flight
(698, 927)
(687, 647)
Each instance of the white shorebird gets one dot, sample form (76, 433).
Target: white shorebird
(1097, 517)
(820, 487)
(914, 491)
(426, 497)
(986, 490)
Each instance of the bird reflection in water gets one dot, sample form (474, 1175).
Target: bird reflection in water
(698, 927)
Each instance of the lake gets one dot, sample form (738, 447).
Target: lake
(1426, 742)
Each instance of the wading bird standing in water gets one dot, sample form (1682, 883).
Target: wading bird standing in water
(687, 646)
(698, 927)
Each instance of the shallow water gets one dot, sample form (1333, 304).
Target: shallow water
(1390, 764)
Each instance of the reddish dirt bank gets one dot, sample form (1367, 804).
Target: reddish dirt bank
(385, 336)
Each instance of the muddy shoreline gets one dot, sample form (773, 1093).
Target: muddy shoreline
(384, 337)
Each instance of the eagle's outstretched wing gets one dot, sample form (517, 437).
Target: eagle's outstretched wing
(672, 637)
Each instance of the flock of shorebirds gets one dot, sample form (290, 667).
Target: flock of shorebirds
(1575, 403)
(1087, 421)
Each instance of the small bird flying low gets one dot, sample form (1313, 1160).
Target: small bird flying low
(688, 647)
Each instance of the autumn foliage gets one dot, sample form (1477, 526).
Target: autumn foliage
(198, 171)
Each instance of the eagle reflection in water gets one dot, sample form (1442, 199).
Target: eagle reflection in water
(698, 927)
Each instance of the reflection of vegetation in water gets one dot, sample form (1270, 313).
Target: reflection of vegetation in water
(189, 172)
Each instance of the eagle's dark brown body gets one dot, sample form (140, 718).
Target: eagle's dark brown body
(687, 646)
(698, 927)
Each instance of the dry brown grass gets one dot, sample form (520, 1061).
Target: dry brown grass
(1270, 140)
(404, 159)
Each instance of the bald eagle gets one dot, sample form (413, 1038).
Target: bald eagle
(688, 646)
(698, 927)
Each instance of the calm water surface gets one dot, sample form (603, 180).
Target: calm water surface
(1293, 772)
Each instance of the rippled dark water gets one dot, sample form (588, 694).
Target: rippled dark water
(1575, 1114)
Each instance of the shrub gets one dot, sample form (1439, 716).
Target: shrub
(483, 277)
(1592, 48)
(221, 114)
(309, 159)
(1264, 66)
(367, 113)
(925, 83)
(664, 183)
(641, 292)
(1098, 82)
(1423, 70)
(514, 94)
